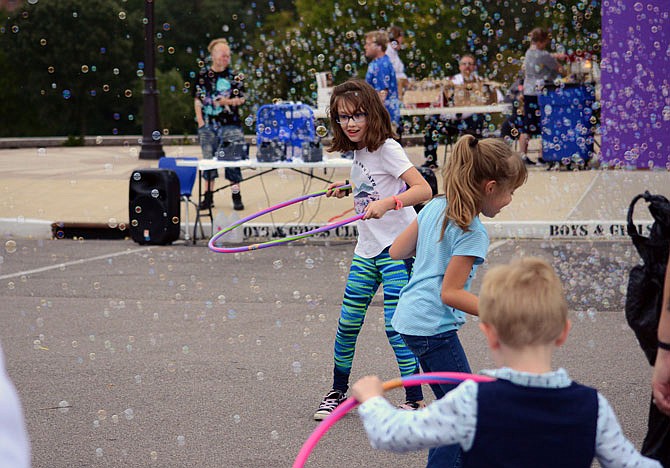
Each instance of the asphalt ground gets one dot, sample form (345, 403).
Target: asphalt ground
(175, 356)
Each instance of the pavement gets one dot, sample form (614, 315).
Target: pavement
(175, 356)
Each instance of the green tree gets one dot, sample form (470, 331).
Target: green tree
(83, 55)
(77, 71)
(175, 103)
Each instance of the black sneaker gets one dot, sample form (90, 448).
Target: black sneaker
(412, 405)
(237, 202)
(331, 401)
(529, 161)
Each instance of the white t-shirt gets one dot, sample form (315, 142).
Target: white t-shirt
(398, 66)
(375, 176)
(14, 447)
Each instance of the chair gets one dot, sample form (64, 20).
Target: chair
(186, 175)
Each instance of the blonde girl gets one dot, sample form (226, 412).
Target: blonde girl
(450, 242)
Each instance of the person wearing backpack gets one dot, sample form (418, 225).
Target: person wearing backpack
(647, 309)
(660, 381)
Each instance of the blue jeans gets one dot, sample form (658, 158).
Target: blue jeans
(212, 136)
(440, 353)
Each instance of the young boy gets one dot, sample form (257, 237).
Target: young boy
(530, 415)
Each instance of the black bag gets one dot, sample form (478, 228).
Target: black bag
(644, 295)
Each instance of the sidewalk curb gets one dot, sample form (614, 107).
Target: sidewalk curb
(23, 228)
(582, 230)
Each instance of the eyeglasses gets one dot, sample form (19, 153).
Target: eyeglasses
(469, 64)
(343, 119)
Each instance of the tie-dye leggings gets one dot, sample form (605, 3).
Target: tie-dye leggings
(365, 277)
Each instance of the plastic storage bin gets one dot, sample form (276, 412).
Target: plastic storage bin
(567, 127)
(287, 128)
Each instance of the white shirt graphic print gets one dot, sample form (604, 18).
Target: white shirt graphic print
(375, 176)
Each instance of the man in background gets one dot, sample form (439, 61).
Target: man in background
(381, 75)
(440, 125)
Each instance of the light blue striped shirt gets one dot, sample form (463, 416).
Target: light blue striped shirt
(420, 310)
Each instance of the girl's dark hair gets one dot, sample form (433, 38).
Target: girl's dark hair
(395, 32)
(470, 165)
(356, 95)
(539, 35)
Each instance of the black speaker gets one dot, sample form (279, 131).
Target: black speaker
(154, 206)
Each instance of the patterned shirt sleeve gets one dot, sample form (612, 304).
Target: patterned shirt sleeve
(612, 447)
(449, 420)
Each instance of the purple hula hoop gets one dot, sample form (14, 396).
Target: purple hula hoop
(272, 243)
(350, 403)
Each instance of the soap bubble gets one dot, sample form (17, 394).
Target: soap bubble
(63, 406)
(10, 246)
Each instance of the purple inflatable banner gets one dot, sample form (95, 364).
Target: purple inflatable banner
(635, 81)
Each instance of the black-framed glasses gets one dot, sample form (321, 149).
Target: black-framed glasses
(343, 119)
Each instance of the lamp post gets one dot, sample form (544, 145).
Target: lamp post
(152, 147)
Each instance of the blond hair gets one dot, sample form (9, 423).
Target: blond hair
(216, 42)
(524, 301)
(380, 38)
(471, 164)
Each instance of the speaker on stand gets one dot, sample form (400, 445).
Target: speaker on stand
(154, 208)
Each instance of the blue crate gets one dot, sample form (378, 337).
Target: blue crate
(567, 127)
(287, 124)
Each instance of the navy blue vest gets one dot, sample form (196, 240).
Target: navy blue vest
(520, 426)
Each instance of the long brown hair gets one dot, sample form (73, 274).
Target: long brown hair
(359, 96)
(470, 165)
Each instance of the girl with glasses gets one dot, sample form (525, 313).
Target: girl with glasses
(385, 185)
